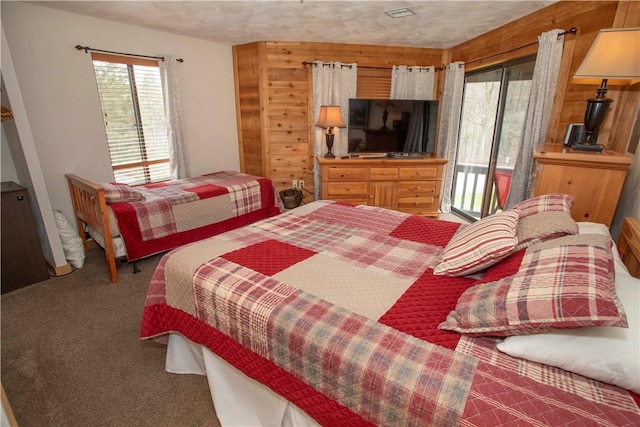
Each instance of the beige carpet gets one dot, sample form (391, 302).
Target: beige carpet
(71, 355)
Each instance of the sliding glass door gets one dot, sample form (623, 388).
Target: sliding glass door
(494, 108)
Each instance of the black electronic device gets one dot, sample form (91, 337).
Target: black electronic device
(573, 134)
(381, 126)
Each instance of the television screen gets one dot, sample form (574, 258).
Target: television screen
(392, 126)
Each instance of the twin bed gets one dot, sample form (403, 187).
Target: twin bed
(336, 314)
(136, 222)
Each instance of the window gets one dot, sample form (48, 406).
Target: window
(132, 102)
(494, 108)
(373, 83)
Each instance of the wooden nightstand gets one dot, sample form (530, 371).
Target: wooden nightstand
(595, 180)
(629, 245)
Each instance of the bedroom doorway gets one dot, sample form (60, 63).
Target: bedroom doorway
(494, 108)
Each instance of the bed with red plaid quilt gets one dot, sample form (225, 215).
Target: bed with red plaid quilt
(177, 212)
(336, 308)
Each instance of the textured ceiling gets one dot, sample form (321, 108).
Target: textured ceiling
(436, 24)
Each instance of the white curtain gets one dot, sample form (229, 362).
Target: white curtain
(412, 82)
(543, 89)
(449, 126)
(333, 84)
(178, 152)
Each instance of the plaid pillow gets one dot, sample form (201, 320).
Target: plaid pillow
(563, 283)
(117, 193)
(544, 226)
(479, 245)
(544, 203)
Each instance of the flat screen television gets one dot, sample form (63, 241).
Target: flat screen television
(392, 126)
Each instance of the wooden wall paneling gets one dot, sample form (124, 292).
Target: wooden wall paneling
(247, 88)
(561, 91)
(263, 90)
(576, 95)
(291, 54)
(589, 17)
(626, 111)
(238, 69)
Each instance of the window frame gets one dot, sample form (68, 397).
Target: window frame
(145, 163)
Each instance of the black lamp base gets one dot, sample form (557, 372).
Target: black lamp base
(593, 117)
(329, 154)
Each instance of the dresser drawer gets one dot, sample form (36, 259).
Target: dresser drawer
(412, 188)
(346, 174)
(383, 173)
(423, 172)
(417, 203)
(342, 189)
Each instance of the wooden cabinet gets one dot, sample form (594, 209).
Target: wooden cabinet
(595, 180)
(23, 262)
(629, 245)
(408, 185)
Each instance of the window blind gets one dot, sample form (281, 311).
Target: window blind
(132, 103)
(373, 83)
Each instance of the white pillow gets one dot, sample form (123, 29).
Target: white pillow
(605, 353)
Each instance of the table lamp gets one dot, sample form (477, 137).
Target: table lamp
(613, 58)
(330, 117)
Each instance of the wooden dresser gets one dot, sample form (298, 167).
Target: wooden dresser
(595, 180)
(407, 185)
(23, 261)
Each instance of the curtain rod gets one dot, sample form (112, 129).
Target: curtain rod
(377, 68)
(87, 49)
(572, 30)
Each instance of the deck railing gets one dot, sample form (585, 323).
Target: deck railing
(469, 184)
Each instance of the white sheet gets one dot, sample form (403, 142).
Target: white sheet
(118, 244)
(238, 399)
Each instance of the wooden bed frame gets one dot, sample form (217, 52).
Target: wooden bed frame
(90, 208)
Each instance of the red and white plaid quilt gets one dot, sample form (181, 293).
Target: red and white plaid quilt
(336, 308)
(189, 207)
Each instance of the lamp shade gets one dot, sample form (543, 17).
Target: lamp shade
(330, 116)
(614, 55)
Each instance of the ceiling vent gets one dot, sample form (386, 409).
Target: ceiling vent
(399, 13)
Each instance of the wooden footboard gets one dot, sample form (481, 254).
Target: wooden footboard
(90, 207)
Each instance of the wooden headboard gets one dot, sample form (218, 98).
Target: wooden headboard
(90, 208)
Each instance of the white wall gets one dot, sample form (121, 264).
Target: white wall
(61, 100)
(26, 162)
(7, 168)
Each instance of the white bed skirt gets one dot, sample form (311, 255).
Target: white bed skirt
(238, 399)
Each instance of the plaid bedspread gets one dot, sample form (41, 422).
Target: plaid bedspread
(336, 308)
(188, 205)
